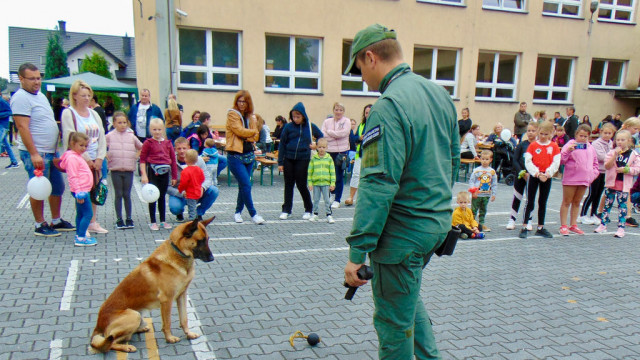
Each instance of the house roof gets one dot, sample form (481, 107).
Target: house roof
(90, 41)
(28, 44)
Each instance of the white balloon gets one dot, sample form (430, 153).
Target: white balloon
(150, 193)
(39, 187)
(505, 135)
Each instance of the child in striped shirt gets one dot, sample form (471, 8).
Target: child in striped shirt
(321, 179)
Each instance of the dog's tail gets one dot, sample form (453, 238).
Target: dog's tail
(100, 344)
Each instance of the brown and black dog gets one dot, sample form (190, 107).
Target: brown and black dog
(156, 283)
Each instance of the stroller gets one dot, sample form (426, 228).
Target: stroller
(503, 160)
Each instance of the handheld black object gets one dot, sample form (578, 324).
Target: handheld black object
(364, 273)
(450, 242)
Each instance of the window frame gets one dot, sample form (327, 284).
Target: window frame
(208, 68)
(502, 8)
(603, 83)
(293, 74)
(615, 8)
(494, 85)
(578, 3)
(550, 89)
(434, 68)
(444, 2)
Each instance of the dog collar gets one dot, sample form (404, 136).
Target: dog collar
(178, 251)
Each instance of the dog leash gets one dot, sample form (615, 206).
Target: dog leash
(178, 251)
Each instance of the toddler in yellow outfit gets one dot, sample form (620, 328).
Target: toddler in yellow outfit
(463, 217)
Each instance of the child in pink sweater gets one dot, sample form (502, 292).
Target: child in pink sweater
(80, 183)
(122, 154)
(622, 164)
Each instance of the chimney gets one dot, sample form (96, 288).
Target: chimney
(62, 27)
(126, 45)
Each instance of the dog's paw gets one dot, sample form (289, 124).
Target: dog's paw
(129, 348)
(143, 329)
(191, 335)
(172, 339)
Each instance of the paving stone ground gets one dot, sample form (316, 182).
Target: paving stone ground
(573, 297)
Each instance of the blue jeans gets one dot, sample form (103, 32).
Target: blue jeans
(83, 217)
(50, 171)
(176, 204)
(4, 141)
(222, 163)
(173, 133)
(635, 198)
(242, 172)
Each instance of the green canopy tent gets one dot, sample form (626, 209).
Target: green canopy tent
(97, 83)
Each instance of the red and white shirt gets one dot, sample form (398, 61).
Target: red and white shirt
(542, 158)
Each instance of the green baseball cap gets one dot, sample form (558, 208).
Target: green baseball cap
(365, 37)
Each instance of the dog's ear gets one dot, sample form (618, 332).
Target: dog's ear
(191, 228)
(207, 222)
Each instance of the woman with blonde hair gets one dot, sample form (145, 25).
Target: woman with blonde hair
(172, 120)
(336, 129)
(242, 133)
(80, 118)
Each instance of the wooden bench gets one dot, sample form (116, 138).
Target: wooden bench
(266, 162)
(467, 165)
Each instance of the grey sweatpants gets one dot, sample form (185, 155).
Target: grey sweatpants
(122, 182)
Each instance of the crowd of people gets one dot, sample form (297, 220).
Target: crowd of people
(182, 162)
(593, 160)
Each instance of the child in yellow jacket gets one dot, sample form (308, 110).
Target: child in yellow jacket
(463, 217)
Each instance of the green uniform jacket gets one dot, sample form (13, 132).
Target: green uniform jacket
(410, 152)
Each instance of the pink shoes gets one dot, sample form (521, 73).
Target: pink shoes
(619, 233)
(96, 228)
(574, 229)
(600, 229)
(564, 230)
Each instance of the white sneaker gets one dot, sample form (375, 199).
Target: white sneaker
(238, 218)
(284, 216)
(335, 205)
(257, 219)
(585, 220)
(511, 224)
(595, 220)
(306, 216)
(313, 218)
(529, 226)
(330, 219)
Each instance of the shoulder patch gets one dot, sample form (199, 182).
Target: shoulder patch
(371, 136)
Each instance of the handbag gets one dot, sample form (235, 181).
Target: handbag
(99, 191)
(160, 169)
(341, 161)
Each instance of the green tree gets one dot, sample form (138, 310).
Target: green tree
(3, 83)
(97, 64)
(56, 58)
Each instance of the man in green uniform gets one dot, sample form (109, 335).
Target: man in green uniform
(410, 148)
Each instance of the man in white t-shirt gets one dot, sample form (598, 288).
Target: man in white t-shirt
(141, 114)
(38, 144)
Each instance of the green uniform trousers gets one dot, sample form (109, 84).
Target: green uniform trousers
(400, 319)
(479, 207)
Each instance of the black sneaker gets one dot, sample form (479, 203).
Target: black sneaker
(63, 225)
(120, 224)
(129, 224)
(631, 222)
(180, 218)
(523, 233)
(45, 230)
(544, 233)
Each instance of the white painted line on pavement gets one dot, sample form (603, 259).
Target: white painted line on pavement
(23, 201)
(65, 303)
(200, 345)
(261, 253)
(160, 240)
(232, 238)
(281, 222)
(313, 234)
(138, 187)
(56, 349)
(4, 173)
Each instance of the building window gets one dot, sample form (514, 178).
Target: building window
(292, 64)
(439, 65)
(506, 5)
(554, 80)
(568, 8)
(444, 2)
(352, 84)
(616, 10)
(209, 59)
(496, 78)
(43, 60)
(79, 64)
(606, 73)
